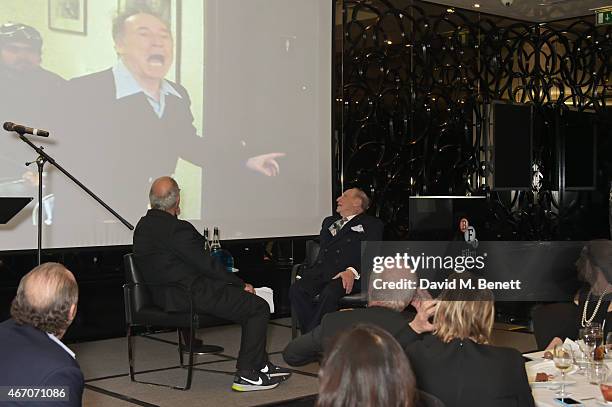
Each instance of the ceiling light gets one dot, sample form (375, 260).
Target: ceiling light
(476, 5)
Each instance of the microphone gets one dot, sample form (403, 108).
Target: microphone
(9, 126)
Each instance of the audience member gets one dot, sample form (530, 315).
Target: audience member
(458, 365)
(32, 353)
(366, 367)
(337, 266)
(593, 299)
(170, 250)
(384, 310)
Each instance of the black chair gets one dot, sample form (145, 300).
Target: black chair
(355, 300)
(141, 311)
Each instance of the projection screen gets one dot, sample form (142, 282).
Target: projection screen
(232, 97)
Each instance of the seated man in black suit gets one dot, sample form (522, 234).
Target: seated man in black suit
(170, 250)
(337, 267)
(384, 310)
(31, 352)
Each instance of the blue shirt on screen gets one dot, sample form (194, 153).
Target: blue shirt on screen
(126, 85)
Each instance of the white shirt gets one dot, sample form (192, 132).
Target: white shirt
(60, 343)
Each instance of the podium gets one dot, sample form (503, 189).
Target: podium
(9, 207)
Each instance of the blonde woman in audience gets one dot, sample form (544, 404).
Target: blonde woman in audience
(458, 364)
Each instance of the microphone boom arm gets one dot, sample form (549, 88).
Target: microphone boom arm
(43, 157)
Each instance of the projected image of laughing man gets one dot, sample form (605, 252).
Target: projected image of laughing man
(133, 103)
(147, 116)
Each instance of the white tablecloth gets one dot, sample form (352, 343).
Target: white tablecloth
(582, 390)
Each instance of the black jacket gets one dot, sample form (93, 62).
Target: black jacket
(30, 358)
(170, 250)
(338, 252)
(463, 373)
(309, 347)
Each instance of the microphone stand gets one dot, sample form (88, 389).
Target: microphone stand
(42, 159)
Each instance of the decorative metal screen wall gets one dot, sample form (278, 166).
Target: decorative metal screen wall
(414, 83)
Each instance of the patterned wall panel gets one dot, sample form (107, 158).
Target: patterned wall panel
(414, 87)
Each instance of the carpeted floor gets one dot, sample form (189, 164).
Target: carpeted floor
(105, 366)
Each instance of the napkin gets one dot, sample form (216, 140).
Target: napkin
(267, 294)
(572, 345)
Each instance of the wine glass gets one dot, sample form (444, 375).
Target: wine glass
(582, 358)
(563, 358)
(594, 337)
(589, 339)
(609, 344)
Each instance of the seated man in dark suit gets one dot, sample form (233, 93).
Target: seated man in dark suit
(170, 250)
(31, 351)
(337, 267)
(384, 310)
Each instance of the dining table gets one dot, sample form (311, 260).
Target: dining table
(577, 386)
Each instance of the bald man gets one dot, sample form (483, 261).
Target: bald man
(170, 250)
(336, 270)
(31, 350)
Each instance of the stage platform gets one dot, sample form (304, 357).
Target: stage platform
(105, 366)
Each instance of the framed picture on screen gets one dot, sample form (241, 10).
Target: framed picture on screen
(68, 16)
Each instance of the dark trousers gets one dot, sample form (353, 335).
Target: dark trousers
(248, 310)
(302, 294)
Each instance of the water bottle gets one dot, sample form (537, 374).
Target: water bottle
(223, 256)
(206, 241)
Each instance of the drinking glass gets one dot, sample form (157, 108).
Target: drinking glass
(589, 338)
(582, 358)
(609, 344)
(563, 358)
(606, 391)
(598, 333)
(597, 373)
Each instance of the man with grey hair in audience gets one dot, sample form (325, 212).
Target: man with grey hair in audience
(170, 250)
(31, 350)
(385, 309)
(335, 272)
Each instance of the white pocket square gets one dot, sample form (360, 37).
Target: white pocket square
(358, 229)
